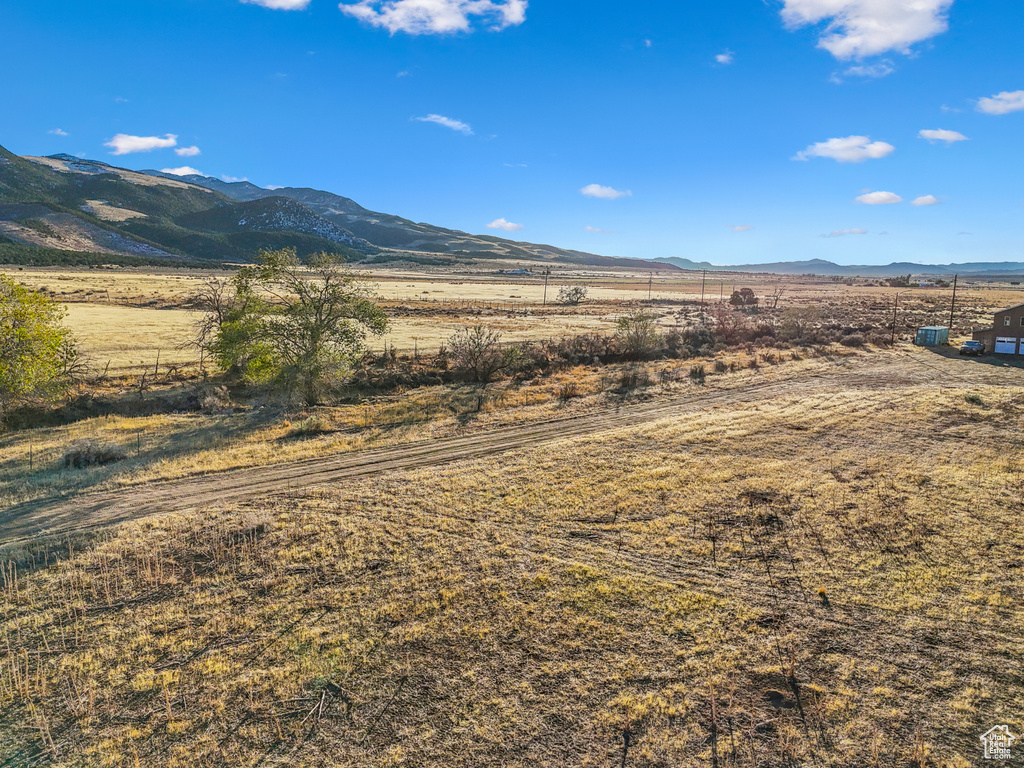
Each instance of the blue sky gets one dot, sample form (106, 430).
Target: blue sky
(733, 131)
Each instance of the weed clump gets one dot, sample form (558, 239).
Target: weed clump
(634, 378)
(569, 390)
(311, 427)
(92, 453)
(697, 373)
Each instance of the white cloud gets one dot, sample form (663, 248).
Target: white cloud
(1002, 103)
(234, 179)
(880, 198)
(599, 231)
(504, 224)
(123, 144)
(604, 193)
(925, 200)
(447, 122)
(187, 151)
(508, 226)
(58, 132)
(280, 5)
(878, 69)
(436, 17)
(942, 135)
(852, 149)
(842, 232)
(648, 43)
(726, 57)
(860, 28)
(743, 228)
(272, 187)
(185, 170)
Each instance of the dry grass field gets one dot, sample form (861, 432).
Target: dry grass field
(807, 556)
(825, 579)
(174, 445)
(127, 316)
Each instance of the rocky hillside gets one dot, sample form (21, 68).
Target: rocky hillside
(271, 214)
(87, 205)
(395, 233)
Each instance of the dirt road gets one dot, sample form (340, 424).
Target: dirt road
(914, 368)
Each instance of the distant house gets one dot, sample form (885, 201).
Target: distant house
(1006, 336)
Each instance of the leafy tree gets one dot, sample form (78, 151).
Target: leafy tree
(572, 294)
(37, 353)
(294, 327)
(744, 297)
(637, 333)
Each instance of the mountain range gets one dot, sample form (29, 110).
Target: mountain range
(66, 204)
(59, 206)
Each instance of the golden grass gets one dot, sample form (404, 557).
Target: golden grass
(131, 338)
(832, 580)
(433, 306)
(474, 285)
(168, 446)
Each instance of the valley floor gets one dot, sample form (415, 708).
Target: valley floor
(824, 570)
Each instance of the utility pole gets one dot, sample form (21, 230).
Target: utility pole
(892, 338)
(703, 279)
(547, 273)
(952, 306)
(650, 285)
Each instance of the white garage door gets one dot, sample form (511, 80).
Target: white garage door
(1006, 346)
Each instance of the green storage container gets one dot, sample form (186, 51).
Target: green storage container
(932, 336)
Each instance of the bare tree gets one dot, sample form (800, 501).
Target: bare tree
(214, 300)
(477, 352)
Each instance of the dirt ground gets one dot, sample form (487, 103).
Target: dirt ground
(915, 369)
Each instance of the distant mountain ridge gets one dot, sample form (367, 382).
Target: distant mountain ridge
(70, 204)
(822, 267)
(89, 206)
(394, 232)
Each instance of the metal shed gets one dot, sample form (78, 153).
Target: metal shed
(932, 336)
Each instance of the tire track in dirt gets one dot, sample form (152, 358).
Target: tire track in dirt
(103, 508)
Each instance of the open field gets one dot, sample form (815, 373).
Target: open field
(131, 338)
(146, 308)
(822, 572)
(139, 286)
